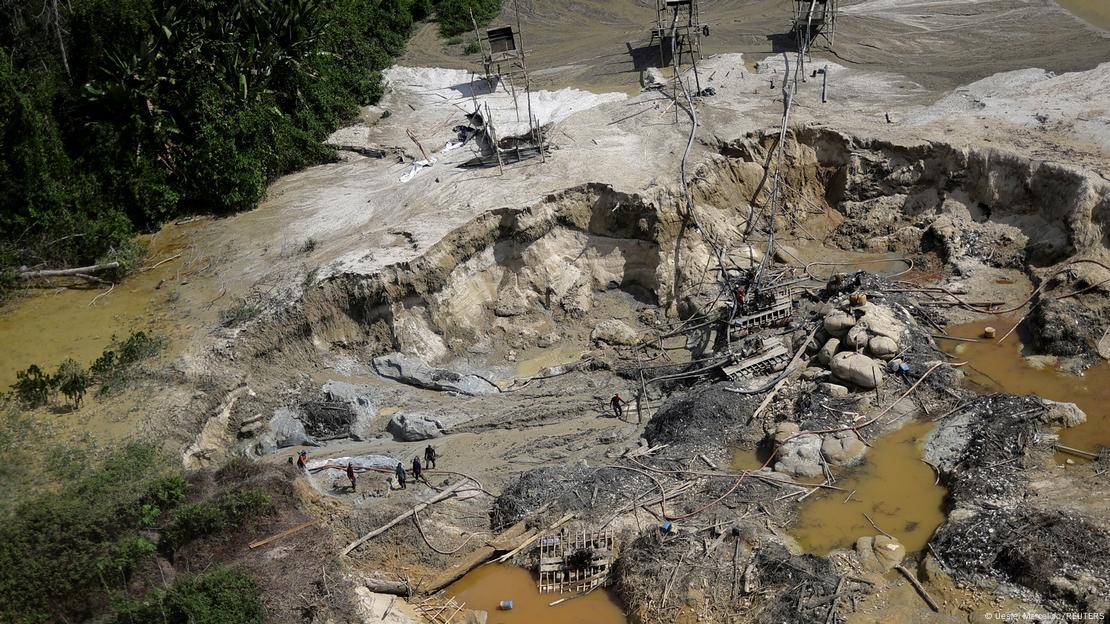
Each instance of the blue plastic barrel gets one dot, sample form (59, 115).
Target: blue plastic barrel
(506, 605)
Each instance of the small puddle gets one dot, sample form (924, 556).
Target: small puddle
(487, 586)
(547, 358)
(995, 367)
(893, 486)
(1094, 12)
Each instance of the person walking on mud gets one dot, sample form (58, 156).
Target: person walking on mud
(416, 469)
(302, 461)
(430, 457)
(618, 406)
(352, 477)
(399, 471)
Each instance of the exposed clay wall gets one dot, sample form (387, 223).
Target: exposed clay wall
(551, 257)
(1061, 211)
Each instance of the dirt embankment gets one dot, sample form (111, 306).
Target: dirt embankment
(583, 255)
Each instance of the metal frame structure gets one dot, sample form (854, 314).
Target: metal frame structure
(504, 61)
(678, 27)
(682, 19)
(558, 574)
(813, 20)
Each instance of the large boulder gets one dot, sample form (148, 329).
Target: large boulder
(1063, 414)
(825, 355)
(882, 347)
(511, 301)
(880, 321)
(837, 323)
(359, 400)
(800, 456)
(880, 553)
(285, 430)
(614, 332)
(857, 337)
(414, 427)
(416, 372)
(857, 369)
(843, 448)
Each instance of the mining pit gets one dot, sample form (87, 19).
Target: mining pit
(863, 353)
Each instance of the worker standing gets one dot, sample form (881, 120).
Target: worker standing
(430, 457)
(400, 472)
(416, 470)
(351, 476)
(618, 405)
(302, 461)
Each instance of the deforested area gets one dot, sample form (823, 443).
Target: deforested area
(614, 312)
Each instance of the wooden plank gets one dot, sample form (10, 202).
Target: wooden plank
(447, 493)
(291, 531)
(500, 543)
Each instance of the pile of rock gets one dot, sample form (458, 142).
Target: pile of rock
(800, 454)
(856, 340)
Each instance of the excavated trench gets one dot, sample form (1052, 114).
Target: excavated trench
(535, 283)
(508, 267)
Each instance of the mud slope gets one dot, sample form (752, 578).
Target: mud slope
(938, 43)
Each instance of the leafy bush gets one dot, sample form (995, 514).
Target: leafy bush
(472, 48)
(454, 15)
(114, 368)
(239, 505)
(58, 550)
(72, 379)
(219, 597)
(204, 518)
(192, 521)
(32, 387)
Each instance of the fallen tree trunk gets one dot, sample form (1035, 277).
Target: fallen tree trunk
(394, 588)
(503, 542)
(450, 491)
(74, 272)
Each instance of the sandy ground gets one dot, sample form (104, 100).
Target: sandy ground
(1017, 75)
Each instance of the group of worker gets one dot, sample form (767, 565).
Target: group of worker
(430, 457)
(417, 469)
(617, 403)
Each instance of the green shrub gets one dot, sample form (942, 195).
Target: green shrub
(472, 48)
(454, 15)
(59, 549)
(72, 379)
(239, 505)
(124, 556)
(32, 387)
(206, 518)
(115, 366)
(219, 597)
(192, 521)
(166, 491)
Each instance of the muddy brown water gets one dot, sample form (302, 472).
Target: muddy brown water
(893, 486)
(1094, 12)
(45, 326)
(487, 586)
(1003, 367)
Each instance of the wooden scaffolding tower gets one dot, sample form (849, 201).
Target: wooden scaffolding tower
(575, 562)
(504, 62)
(680, 19)
(814, 21)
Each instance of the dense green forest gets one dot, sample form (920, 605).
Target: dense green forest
(116, 115)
